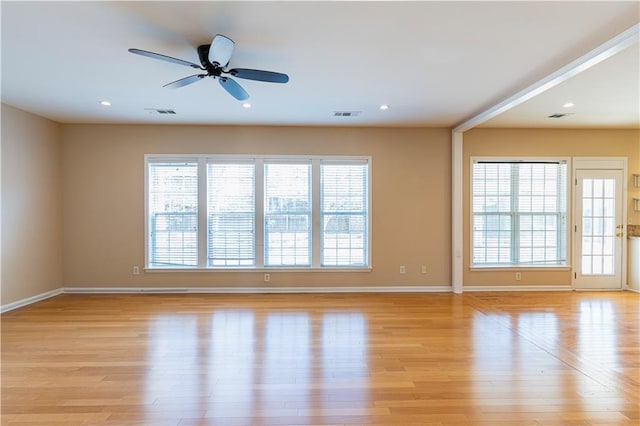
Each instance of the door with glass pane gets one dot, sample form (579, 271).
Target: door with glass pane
(598, 229)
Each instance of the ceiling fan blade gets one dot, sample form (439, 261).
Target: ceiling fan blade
(164, 58)
(184, 81)
(221, 50)
(233, 88)
(259, 75)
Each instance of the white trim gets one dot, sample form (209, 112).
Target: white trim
(599, 163)
(294, 158)
(584, 290)
(266, 290)
(583, 63)
(270, 270)
(471, 288)
(457, 203)
(316, 221)
(231, 290)
(203, 206)
(29, 300)
(567, 161)
(258, 195)
(521, 268)
(633, 290)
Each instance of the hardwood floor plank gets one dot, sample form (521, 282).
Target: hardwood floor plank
(323, 359)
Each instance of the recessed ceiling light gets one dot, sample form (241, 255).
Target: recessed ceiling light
(105, 103)
(246, 105)
(384, 107)
(568, 105)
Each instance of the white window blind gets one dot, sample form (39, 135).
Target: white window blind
(519, 213)
(344, 214)
(173, 214)
(231, 214)
(287, 214)
(248, 211)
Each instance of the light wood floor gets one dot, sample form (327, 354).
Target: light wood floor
(396, 359)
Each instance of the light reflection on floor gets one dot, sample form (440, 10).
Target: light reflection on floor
(230, 363)
(511, 351)
(238, 363)
(286, 367)
(227, 380)
(344, 357)
(173, 361)
(597, 331)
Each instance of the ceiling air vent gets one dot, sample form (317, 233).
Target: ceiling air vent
(556, 115)
(160, 111)
(346, 113)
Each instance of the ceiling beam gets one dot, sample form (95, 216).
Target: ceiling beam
(595, 56)
(583, 63)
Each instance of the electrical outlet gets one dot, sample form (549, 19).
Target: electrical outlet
(424, 269)
(518, 276)
(136, 270)
(403, 270)
(267, 278)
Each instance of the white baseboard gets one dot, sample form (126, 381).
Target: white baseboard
(634, 290)
(29, 300)
(247, 290)
(472, 288)
(196, 290)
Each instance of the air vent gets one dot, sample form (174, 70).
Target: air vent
(346, 113)
(557, 115)
(160, 111)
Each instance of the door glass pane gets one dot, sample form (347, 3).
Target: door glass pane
(598, 218)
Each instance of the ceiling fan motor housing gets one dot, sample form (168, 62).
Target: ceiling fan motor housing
(212, 69)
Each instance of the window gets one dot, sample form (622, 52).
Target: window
(173, 214)
(344, 213)
(208, 212)
(519, 213)
(231, 211)
(287, 214)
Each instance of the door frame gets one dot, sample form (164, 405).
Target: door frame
(599, 163)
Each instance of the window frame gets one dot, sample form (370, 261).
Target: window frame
(259, 161)
(568, 225)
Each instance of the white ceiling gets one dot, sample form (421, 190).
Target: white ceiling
(434, 63)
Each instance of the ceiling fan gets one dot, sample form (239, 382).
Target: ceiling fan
(215, 58)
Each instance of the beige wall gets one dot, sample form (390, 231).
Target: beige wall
(543, 142)
(104, 217)
(31, 206)
(89, 181)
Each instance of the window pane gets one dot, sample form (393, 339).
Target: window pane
(287, 214)
(531, 226)
(173, 214)
(492, 239)
(231, 214)
(344, 213)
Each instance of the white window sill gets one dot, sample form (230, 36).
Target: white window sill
(521, 268)
(260, 270)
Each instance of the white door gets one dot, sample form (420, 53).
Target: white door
(598, 230)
